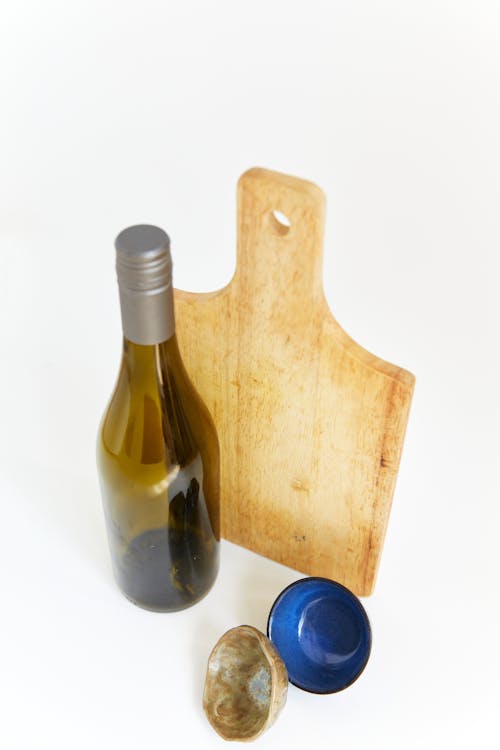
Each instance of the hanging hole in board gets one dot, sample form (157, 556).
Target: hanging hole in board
(281, 222)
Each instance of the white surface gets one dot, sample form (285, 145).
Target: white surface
(116, 113)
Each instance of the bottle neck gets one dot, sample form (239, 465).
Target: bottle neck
(155, 378)
(147, 317)
(145, 356)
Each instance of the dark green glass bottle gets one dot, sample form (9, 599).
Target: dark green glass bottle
(157, 452)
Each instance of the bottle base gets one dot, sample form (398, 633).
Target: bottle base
(162, 608)
(162, 570)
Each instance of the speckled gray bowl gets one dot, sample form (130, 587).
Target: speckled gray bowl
(246, 684)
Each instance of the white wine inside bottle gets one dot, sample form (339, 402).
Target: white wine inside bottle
(157, 452)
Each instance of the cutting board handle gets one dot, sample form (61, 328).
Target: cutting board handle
(280, 218)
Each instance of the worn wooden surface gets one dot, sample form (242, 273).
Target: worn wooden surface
(311, 425)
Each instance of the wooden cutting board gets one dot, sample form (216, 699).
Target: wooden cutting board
(311, 425)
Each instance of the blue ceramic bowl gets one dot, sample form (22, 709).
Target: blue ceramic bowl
(322, 634)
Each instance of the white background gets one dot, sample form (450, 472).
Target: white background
(120, 112)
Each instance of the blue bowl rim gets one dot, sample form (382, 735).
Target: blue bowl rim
(336, 584)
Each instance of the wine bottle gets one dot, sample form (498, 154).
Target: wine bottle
(157, 452)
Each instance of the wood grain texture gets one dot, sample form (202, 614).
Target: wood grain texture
(311, 425)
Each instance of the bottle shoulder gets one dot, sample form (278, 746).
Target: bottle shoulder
(156, 418)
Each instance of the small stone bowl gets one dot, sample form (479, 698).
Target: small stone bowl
(322, 634)
(246, 684)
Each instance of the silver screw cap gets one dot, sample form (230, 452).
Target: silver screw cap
(144, 271)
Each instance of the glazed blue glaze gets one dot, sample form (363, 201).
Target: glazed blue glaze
(322, 634)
